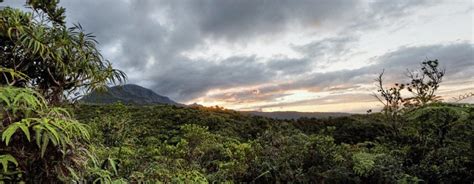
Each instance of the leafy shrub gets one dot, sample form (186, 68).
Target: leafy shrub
(43, 142)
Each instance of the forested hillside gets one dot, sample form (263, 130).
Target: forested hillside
(179, 144)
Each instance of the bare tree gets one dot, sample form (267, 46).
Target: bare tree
(391, 99)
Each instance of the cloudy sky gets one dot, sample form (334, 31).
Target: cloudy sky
(278, 55)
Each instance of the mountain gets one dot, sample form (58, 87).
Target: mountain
(129, 93)
(135, 94)
(295, 114)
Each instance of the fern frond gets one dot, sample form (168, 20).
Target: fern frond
(12, 128)
(5, 159)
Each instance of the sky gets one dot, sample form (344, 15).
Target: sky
(280, 55)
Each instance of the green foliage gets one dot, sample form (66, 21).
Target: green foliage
(437, 136)
(5, 160)
(50, 7)
(32, 133)
(203, 145)
(10, 74)
(364, 163)
(43, 62)
(423, 86)
(51, 57)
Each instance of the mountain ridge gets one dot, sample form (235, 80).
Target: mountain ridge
(128, 93)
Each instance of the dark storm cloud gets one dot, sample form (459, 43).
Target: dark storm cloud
(246, 19)
(149, 37)
(133, 25)
(190, 79)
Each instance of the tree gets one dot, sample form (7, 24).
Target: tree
(57, 60)
(41, 61)
(40, 143)
(423, 86)
(424, 83)
(391, 99)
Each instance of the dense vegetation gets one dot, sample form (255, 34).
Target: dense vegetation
(45, 139)
(43, 62)
(168, 143)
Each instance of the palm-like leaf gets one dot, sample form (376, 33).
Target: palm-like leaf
(53, 56)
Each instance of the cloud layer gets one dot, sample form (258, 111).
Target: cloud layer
(258, 52)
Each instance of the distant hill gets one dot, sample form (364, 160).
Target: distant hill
(135, 94)
(295, 114)
(129, 93)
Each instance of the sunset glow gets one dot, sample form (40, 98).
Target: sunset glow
(302, 56)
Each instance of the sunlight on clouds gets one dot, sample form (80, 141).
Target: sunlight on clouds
(340, 48)
(343, 98)
(298, 95)
(305, 56)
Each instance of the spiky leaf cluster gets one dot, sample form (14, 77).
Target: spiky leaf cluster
(56, 58)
